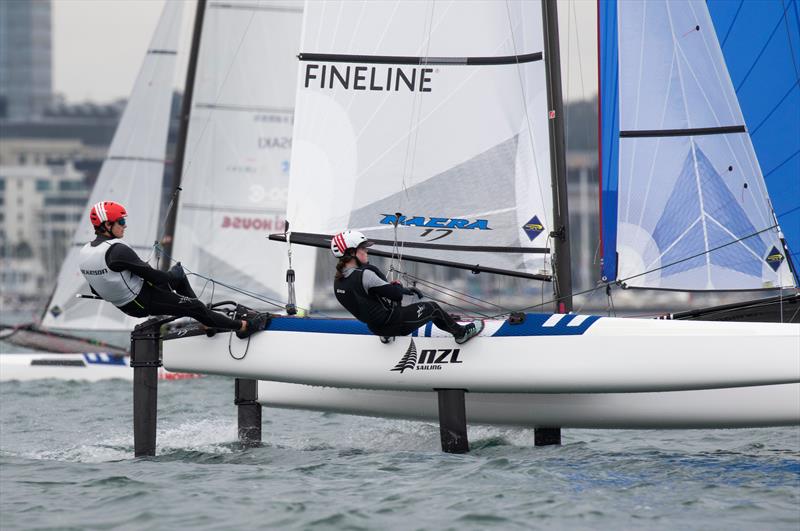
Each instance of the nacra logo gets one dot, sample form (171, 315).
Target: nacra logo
(374, 78)
(440, 223)
(428, 359)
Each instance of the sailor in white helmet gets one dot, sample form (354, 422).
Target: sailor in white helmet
(365, 292)
(116, 274)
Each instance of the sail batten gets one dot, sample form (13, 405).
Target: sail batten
(698, 131)
(408, 60)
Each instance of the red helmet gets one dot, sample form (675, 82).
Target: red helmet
(106, 211)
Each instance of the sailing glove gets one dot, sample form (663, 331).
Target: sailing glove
(412, 291)
(176, 272)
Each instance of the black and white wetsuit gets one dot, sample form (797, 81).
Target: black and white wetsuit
(150, 291)
(365, 293)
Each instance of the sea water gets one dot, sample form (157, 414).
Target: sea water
(66, 462)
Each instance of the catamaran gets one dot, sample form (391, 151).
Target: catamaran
(436, 129)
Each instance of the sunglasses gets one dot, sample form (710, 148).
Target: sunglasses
(121, 221)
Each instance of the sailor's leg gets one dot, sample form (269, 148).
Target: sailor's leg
(444, 321)
(165, 302)
(409, 318)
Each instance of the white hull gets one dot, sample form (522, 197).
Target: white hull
(91, 367)
(742, 407)
(546, 354)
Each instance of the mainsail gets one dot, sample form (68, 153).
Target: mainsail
(685, 205)
(425, 124)
(132, 175)
(236, 165)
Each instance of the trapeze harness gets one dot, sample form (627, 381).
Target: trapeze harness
(117, 287)
(381, 309)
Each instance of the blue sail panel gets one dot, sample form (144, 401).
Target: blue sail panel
(761, 45)
(690, 205)
(609, 134)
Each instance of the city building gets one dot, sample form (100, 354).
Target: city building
(26, 85)
(40, 207)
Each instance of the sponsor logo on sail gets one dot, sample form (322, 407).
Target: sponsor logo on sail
(431, 359)
(533, 228)
(774, 259)
(252, 223)
(371, 78)
(275, 142)
(435, 222)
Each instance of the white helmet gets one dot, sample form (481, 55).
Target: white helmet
(349, 239)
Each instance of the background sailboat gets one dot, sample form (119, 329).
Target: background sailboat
(131, 174)
(234, 169)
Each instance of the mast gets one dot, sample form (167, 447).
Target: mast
(562, 277)
(180, 148)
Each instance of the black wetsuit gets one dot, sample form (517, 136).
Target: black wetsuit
(162, 293)
(365, 293)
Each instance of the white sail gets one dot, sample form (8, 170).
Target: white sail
(434, 110)
(132, 174)
(236, 168)
(693, 209)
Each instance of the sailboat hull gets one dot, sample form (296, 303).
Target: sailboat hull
(544, 354)
(86, 367)
(741, 407)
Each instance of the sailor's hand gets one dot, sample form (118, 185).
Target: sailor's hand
(176, 272)
(412, 291)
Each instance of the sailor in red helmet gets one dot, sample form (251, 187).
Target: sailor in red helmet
(116, 274)
(365, 292)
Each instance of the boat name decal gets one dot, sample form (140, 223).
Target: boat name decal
(427, 360)
(373, 78)
(440, 223)
(251, 223)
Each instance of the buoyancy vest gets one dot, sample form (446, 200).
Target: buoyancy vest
(117, 287)
(366, 308)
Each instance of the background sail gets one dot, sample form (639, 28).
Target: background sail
(236, 169)
(435, 111)
(692, 209)
(761, 45)
(132, 174)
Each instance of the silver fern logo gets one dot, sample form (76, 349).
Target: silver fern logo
(409, 359)
(429, 359)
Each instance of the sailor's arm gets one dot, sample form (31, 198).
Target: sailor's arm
(374, 285)
(121, 257)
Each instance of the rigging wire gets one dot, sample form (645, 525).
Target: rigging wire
(449, 291)
(621, 282)
(242, 291)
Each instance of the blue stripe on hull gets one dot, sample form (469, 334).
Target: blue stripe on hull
(533, 326)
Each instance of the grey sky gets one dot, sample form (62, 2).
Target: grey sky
(98, 46)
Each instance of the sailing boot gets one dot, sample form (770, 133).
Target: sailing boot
(470, 331)
(255, 323)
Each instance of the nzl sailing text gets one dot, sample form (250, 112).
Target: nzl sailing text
(392, 78)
